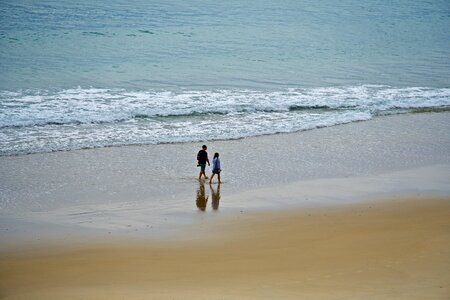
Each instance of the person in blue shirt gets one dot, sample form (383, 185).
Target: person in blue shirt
(215, 167)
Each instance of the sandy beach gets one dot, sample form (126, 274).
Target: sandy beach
(357, 211)
(393, 249)
(332, 124)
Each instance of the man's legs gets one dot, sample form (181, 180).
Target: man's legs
(202, 171)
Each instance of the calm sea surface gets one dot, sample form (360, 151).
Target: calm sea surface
(83, 74)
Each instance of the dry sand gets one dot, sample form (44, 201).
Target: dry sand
(393, 249)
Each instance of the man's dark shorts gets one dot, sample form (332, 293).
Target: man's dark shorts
(202, 167)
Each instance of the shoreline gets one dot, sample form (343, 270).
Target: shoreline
(351, 212)
(151, 191)
(444, 110)
(432, 110)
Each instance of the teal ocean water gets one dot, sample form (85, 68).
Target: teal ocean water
(83, 74)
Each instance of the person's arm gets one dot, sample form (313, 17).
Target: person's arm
(207, 159)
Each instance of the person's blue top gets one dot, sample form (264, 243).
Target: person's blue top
(216, 164)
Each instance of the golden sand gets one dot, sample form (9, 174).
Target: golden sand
(396, 249)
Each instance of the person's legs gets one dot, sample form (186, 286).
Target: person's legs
(212, 176)
(218, 177)
(202, 171)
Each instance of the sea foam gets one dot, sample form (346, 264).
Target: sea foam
(52, 120)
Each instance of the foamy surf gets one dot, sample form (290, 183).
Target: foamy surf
(64, 119)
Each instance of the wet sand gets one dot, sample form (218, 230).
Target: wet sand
(358, 211)
(392, 249)
(152, 190)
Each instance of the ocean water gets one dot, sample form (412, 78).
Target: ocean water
(84, 74)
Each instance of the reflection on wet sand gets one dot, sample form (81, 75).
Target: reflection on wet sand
(202, 198)
(215, 195)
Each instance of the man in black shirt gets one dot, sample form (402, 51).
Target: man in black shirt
(202, 159)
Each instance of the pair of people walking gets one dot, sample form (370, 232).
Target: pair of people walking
(202, 159)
